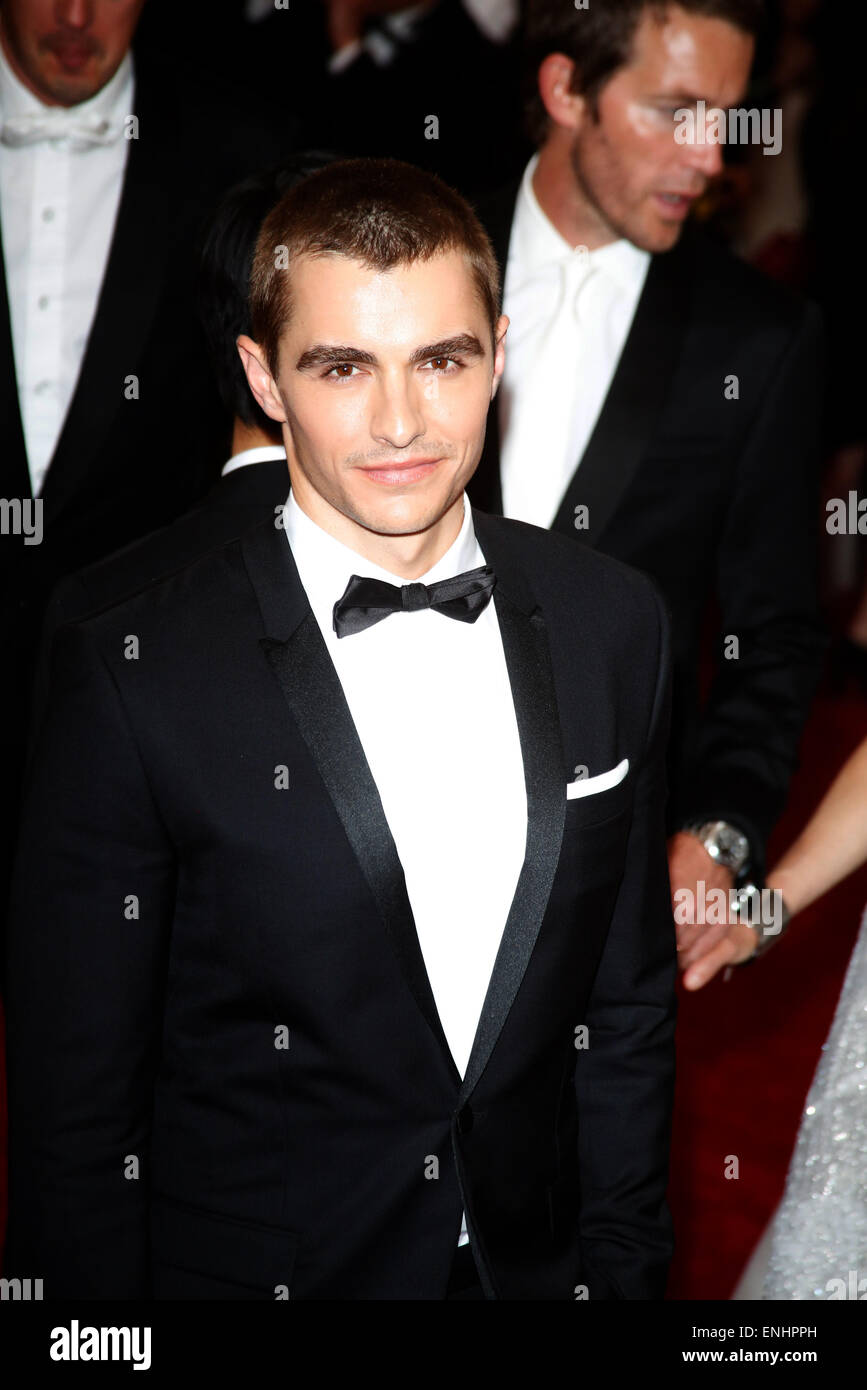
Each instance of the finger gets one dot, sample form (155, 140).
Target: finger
(707, 941)
(722, 954)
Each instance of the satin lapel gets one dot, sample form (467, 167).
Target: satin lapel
(637, 393)
(15, 474)
(528, 659)
(310, 685)
(129, 295)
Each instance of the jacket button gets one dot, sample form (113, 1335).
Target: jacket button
(465, 1119)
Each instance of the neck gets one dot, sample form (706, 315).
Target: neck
(561, 199)
(252, 436)
(408, 556)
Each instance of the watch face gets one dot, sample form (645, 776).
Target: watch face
(732, 843)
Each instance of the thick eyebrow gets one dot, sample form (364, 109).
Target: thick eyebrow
(461, 345)
(330, 354)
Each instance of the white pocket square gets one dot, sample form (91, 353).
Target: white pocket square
(588, 786)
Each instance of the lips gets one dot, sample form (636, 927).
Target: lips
(675, 205)
(401, 472)
(71, 55)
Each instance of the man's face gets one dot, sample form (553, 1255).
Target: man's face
(637, 179)
(384, 383)
(65, 51)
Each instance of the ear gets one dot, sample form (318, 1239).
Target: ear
(499, 353)
(259, 378)
(565, 107)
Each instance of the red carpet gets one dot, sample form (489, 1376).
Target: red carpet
(747, 1050)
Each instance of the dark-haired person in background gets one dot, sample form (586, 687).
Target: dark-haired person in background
(254, 480)
(307, 840)
(111, 162)
(661, 401)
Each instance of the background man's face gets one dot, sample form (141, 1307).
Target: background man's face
(385, 379)
(66, 50)
(629, 167)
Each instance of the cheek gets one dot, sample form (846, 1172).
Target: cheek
(330, 422)
(460, 408)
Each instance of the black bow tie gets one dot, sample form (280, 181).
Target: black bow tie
(367, 601)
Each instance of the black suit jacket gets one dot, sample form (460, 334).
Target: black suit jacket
(234, 504)
(122, 466)
(179, 915)
(717, 499)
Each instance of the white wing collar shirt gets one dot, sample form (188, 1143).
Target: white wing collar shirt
(570, 312)
(61, 174)
(431, 701)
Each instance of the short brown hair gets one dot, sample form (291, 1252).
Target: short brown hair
(598, 39)
(381, 212)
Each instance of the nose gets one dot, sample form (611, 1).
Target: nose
(76, 14)
(705, 153)
(397, 416)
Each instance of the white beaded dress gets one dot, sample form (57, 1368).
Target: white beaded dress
(816, 1243)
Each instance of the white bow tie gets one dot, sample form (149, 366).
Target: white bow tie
(58, 123)
(540, 299)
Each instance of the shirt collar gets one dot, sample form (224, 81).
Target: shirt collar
(325, 564)
(536, 242)
(113, 102)
(263, 453)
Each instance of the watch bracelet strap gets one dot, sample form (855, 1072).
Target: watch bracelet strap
(765, 940)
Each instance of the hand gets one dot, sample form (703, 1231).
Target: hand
(713, 944)
(346, 18)
(737, 945)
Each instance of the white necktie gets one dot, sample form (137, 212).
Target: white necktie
(547, 349)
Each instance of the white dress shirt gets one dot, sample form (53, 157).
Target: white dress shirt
(59, 197)
(570, 312)
(264, 453)
(431, 701)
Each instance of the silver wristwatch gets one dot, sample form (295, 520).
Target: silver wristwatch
(723, 842)
(750, 907)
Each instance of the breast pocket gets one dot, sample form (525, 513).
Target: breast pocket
(203, 1254)
(599, 807)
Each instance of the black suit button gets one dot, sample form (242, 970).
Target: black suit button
(465, 1119)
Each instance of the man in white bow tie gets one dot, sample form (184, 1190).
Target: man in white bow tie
(66, 92)
(110, 163)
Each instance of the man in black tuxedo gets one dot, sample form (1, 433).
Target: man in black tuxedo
(342, 962)
(673, 395)
(110, 164)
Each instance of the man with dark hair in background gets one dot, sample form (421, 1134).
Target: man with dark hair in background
(672, 396)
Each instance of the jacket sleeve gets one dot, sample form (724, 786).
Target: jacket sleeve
(90, 916)
(766, 585)
(624, 1080)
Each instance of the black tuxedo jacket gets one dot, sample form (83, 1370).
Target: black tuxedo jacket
(215, 982)
(717, 499)
(234, 504)
(122, 466)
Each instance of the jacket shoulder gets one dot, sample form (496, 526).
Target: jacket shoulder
(747, 296)
(560, 570)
